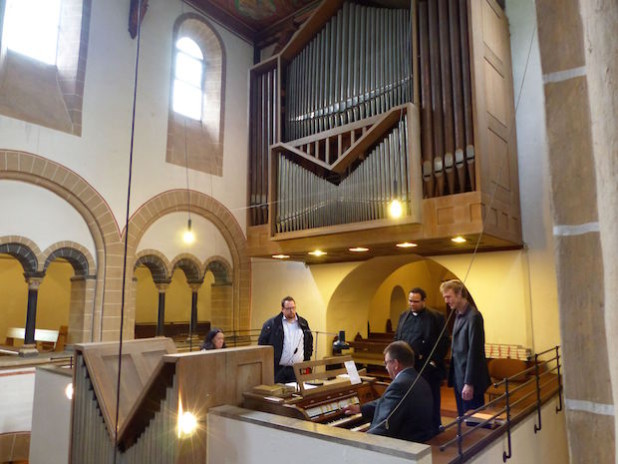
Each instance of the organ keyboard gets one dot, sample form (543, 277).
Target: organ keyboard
(323, 404)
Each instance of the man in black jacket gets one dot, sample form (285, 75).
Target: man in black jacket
(291, 338)
(423, 329)
(404, 411)
(468, 373)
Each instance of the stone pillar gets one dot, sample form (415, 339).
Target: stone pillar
(600, 20)
(162, 288)
(34, 282)
(570, 110)
(195, 286)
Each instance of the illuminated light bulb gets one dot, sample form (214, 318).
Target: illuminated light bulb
(317, 253)
(188, 236)
(68, 391)
(281, 256)
(359, 249)
(406, 245)
(395, 209)
(187, 423)
(459, 239)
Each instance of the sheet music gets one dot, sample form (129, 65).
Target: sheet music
(352, 372)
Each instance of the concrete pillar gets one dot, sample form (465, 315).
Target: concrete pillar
(162, 288)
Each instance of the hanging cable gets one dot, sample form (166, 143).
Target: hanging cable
(126, 230)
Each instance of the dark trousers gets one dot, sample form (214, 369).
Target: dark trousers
(477, 401)
(284, 374)
(434, 384)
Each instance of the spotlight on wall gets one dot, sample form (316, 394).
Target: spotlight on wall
(459, 239)
(395, 209)
(68, 391)
(188, 236)
(187, 423)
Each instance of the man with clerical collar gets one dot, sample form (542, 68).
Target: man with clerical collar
(404, 411)
(468, 373)
(290, 336)
(423, 329)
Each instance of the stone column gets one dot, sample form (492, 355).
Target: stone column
(162, 288)
(195, 286)
(570, 76)
(600, 22)
(34, 282)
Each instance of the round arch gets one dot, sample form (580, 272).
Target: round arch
(101, 223)
(156, 263)
(77, 255)
(226, 223)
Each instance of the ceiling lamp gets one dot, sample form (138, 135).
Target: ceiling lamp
(317, 253)
(406, 245)
(281, 256)
(359, 249)
(188, 235)
(459, 239)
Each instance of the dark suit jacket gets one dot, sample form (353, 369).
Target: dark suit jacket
(432, 323)
(468, 363)
(272, 334)
(412, 420)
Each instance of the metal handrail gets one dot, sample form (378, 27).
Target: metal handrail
(509, 403)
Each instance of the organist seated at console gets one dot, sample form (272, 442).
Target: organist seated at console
(395, 414)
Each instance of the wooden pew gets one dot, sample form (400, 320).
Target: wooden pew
(45, 339)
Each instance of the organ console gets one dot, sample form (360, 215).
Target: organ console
(321, 397)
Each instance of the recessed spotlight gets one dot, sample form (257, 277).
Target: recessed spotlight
(459, 239)
(359, 249)
(317, 253)
(407, 245)
(281, 256)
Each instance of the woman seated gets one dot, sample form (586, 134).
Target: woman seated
(215, 340)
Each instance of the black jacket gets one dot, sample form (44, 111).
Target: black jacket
(430, 323)
(272, 334)
(413, 418)
(468, 363)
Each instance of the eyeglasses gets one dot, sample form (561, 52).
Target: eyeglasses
(415, 301)
(387, 361)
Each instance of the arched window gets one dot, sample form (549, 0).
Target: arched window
(44, 47)
(188, 79)
(195, 123)
(33, 35)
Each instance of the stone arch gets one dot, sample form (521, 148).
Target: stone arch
(220, 268)
(190, 265)
(157, 263)
(226, 223)
(76, 254)
(23, 250)
(99, 321)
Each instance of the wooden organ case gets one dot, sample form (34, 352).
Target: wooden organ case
(374, 101)
(157, 386)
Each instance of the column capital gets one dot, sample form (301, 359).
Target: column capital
(195, 285)
(34, 280)
(162, 286)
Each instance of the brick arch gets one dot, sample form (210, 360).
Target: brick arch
(23, 254)
(11, 242)
(220, 268)
(157, 263)
(190, 265)
(33, 169)
(76, 254)
(210, 209)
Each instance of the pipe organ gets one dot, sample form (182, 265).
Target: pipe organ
(157, 387)
(371, 102)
